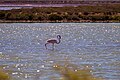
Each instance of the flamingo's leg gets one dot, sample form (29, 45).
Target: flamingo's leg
(46, 45)
(53, 46)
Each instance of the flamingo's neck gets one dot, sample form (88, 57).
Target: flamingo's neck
(58, 41)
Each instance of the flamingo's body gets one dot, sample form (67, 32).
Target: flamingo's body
(53, 41)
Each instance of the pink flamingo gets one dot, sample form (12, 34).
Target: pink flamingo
(53, 41)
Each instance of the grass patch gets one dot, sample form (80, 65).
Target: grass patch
(72, 73)
(4, 75)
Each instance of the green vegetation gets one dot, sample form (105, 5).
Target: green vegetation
(4, 75)
(72, 73)
(109, 12)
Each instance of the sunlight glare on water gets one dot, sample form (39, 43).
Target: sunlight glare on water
(22, 49)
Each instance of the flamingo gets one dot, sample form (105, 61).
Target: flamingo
(53, 41)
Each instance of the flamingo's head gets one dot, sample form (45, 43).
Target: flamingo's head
(58, 36)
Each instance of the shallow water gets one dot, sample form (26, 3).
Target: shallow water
(22, 48)
(9, 7)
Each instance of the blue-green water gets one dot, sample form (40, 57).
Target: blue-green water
(22, 48)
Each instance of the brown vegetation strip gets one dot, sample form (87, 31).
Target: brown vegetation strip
(101, 13)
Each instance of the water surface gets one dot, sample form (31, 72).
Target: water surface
(22, 48)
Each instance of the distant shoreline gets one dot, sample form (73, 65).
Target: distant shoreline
(57, 21)
(15, 6)
(81, 14)
(54, 3)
